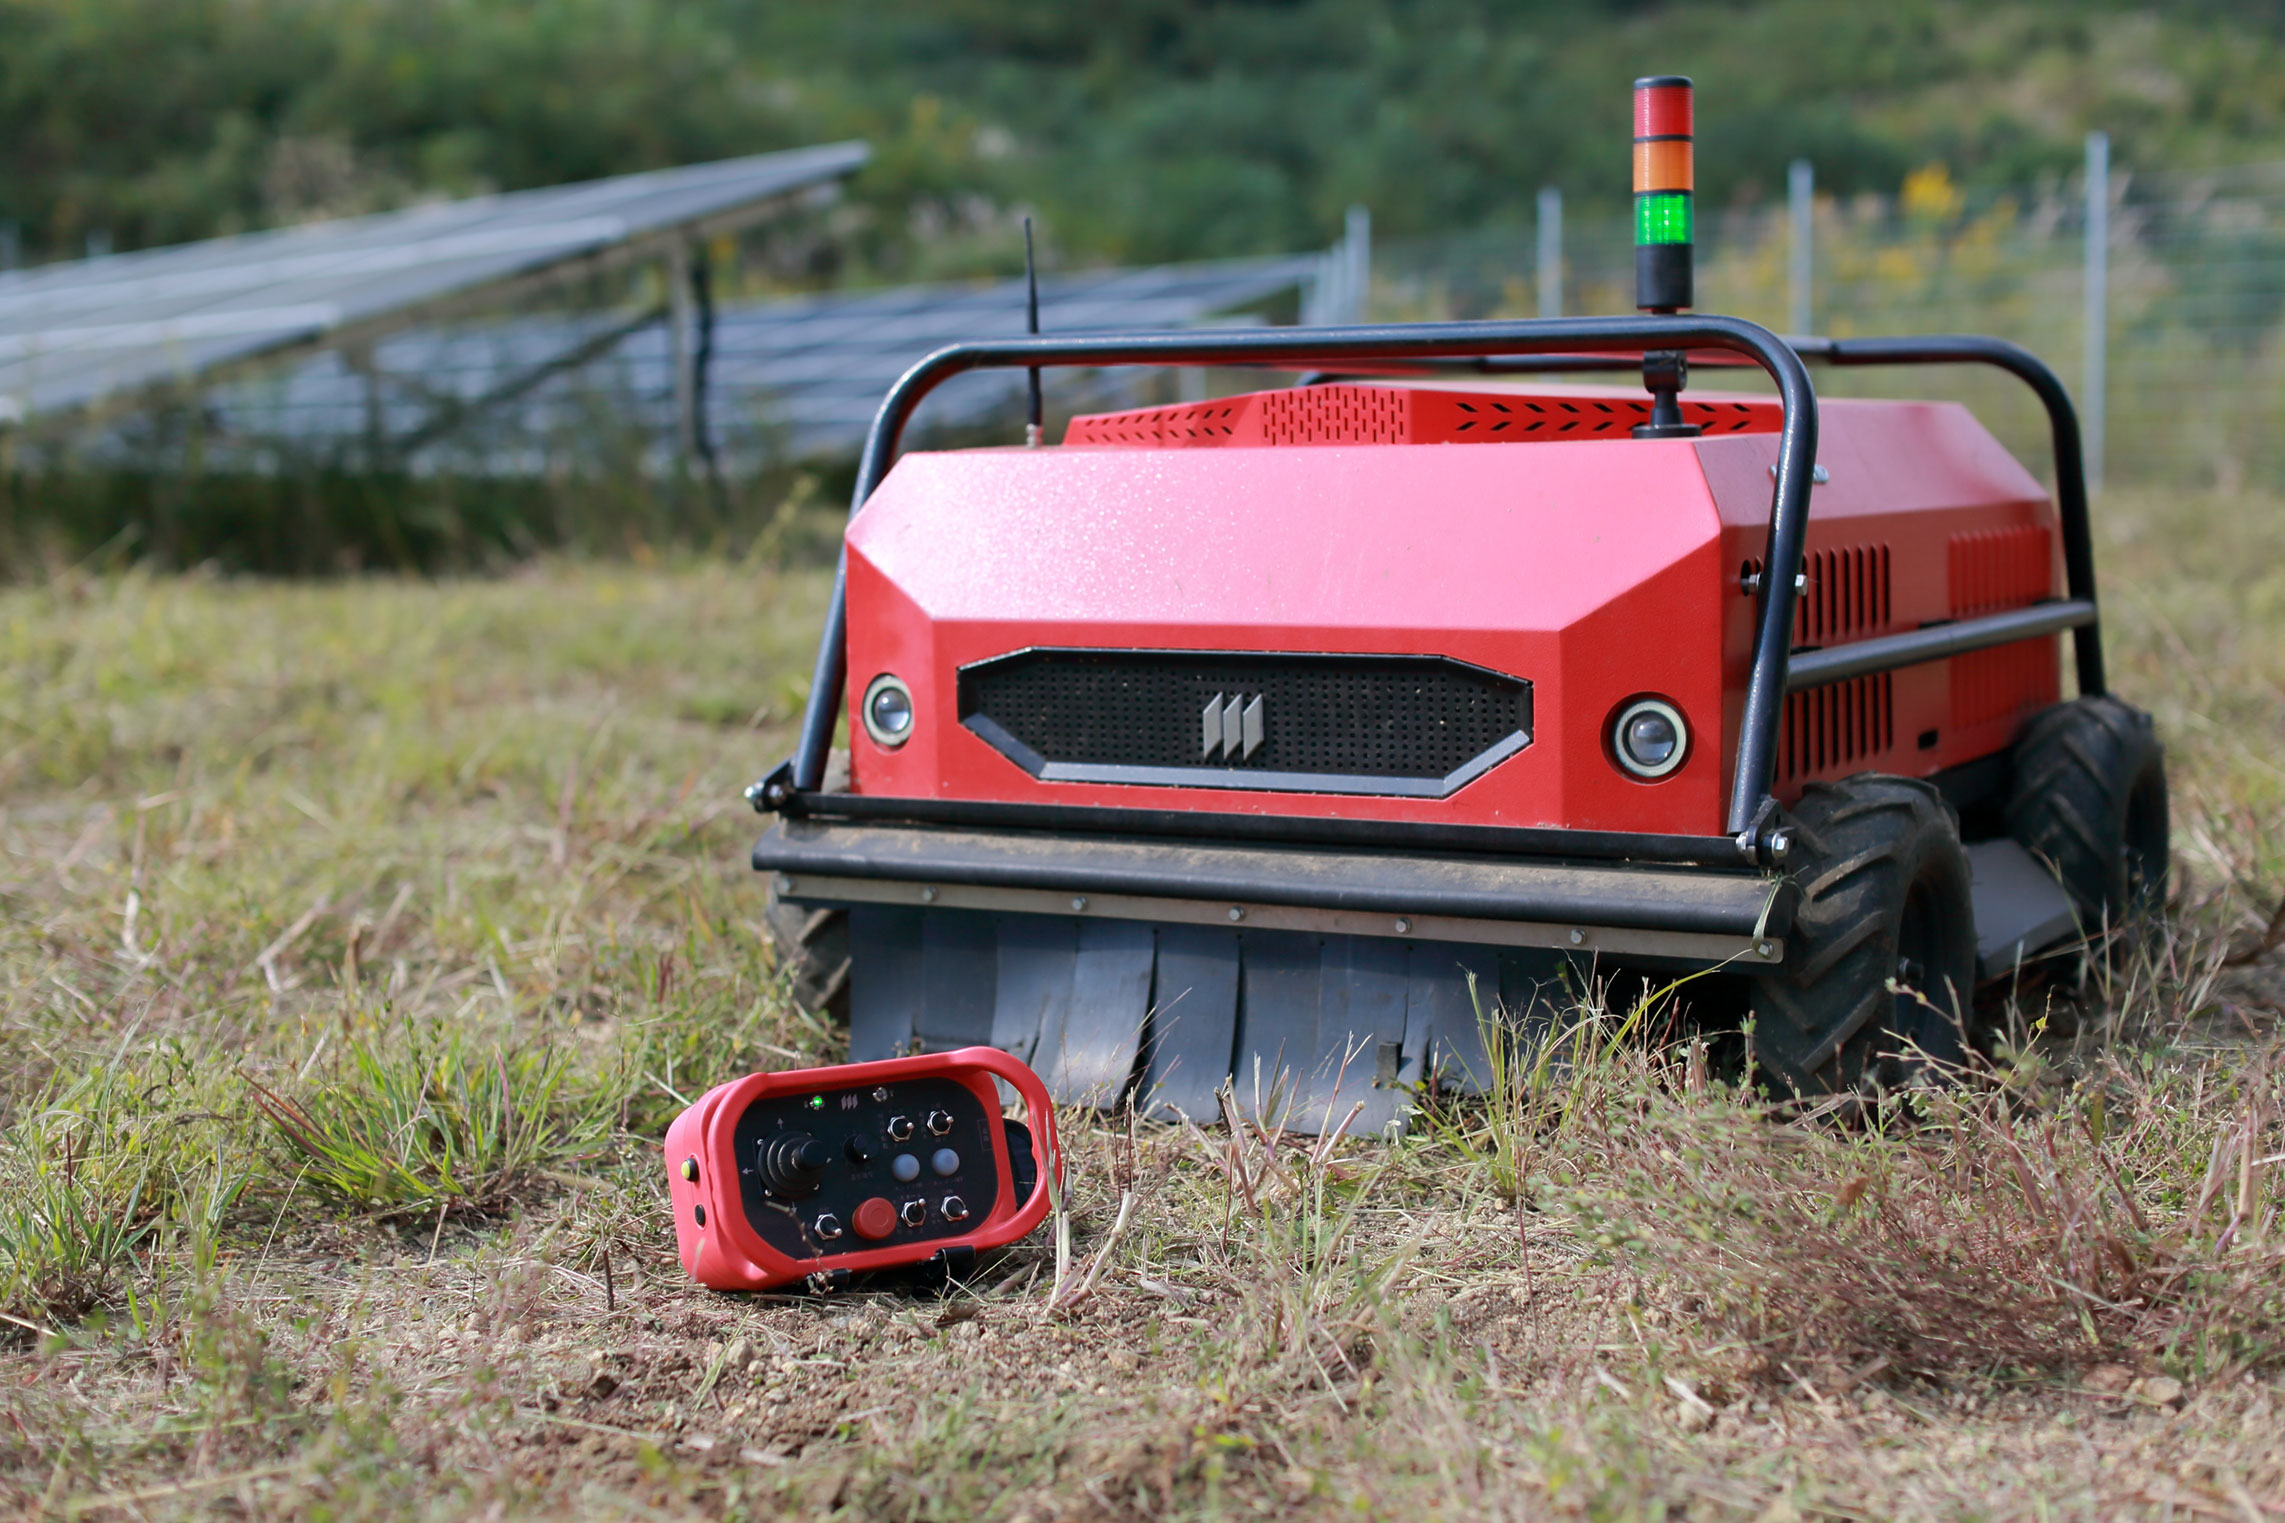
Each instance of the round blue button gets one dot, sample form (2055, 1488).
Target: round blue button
(945, 1161)
(905, 1167)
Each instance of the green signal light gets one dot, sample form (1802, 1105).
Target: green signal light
(817, 1102)
(1662, 217)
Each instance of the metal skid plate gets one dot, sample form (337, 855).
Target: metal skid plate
(1319, 1031)
(2020, 909)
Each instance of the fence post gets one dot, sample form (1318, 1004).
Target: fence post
(1800, 267)
(1357, 243)
(2096, 380)
(1550, 251)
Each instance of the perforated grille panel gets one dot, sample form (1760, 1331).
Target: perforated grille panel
(1400, 718)
(1347, 414)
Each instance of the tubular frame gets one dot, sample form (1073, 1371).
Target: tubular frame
(1552, 344)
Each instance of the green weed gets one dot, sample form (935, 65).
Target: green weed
(422, 1122)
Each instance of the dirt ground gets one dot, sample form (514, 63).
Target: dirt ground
(360, 939)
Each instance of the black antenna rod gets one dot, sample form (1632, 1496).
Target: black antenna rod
(1031, 432)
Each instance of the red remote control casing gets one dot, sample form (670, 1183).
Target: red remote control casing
(780, 1177)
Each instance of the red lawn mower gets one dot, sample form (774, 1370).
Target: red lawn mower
(1268, 735)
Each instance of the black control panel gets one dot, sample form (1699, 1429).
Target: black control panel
(847, 1170)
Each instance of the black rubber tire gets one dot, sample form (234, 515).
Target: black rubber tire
(1884, 900)
(812, 945)
(2089, 799)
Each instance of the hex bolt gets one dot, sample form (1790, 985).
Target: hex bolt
(1079, 901)
(928, 894)
(1764, 948)
(1403, 926)
(1577, 937)
(1236, 913)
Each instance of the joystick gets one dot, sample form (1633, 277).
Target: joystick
(793, 1163)
(815, 1175)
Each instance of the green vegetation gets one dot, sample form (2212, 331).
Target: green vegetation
(1140, 129)
(360, 939)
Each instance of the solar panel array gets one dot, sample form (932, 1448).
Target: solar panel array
(74, 335)
(794, 378)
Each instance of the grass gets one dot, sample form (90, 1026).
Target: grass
(361, 938)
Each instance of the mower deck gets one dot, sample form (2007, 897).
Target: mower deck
(1350, 973)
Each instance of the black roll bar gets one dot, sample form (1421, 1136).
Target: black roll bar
(1304, 348)
(2063, 427)
(1551, 345)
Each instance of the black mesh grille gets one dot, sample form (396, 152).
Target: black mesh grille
(1419, 717)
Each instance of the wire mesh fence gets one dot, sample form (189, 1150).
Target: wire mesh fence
(2192, 323)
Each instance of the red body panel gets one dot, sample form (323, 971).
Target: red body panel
(1599, 568)
(727, 1254)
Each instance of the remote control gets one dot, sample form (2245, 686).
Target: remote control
(821, 1174)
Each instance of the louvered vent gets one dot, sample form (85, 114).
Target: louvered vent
(1196, 423)
(1993, 569)
(1847, 596)
(1832, 730)
(2006, 679)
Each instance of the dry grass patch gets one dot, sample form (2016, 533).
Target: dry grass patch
(360, 939)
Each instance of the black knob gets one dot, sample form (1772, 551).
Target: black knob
(793, 1163)
(858, 1153)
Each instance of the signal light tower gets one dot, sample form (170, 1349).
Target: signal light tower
(1663, 221)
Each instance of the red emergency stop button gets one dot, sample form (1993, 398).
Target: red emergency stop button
(875, 1219)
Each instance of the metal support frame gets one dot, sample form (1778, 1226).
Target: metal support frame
(1554, 345)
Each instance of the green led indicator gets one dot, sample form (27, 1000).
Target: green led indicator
(817, 1102)
(1662, 217)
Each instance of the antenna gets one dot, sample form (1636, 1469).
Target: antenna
(1031, 431)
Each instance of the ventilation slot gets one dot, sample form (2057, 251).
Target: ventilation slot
(2004, 680)
(1835, 729)
(2001, 568)
(1847, 596)
(1194, 423)
(1334, 415)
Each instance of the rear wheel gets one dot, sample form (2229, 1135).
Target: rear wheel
(2089, 798)
(1880, 961)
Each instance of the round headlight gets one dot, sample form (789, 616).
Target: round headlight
(1650, 738)
(887, 710)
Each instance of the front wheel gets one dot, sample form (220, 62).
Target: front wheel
(1880, 963)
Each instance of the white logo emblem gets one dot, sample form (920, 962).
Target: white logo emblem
(1231, 728)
